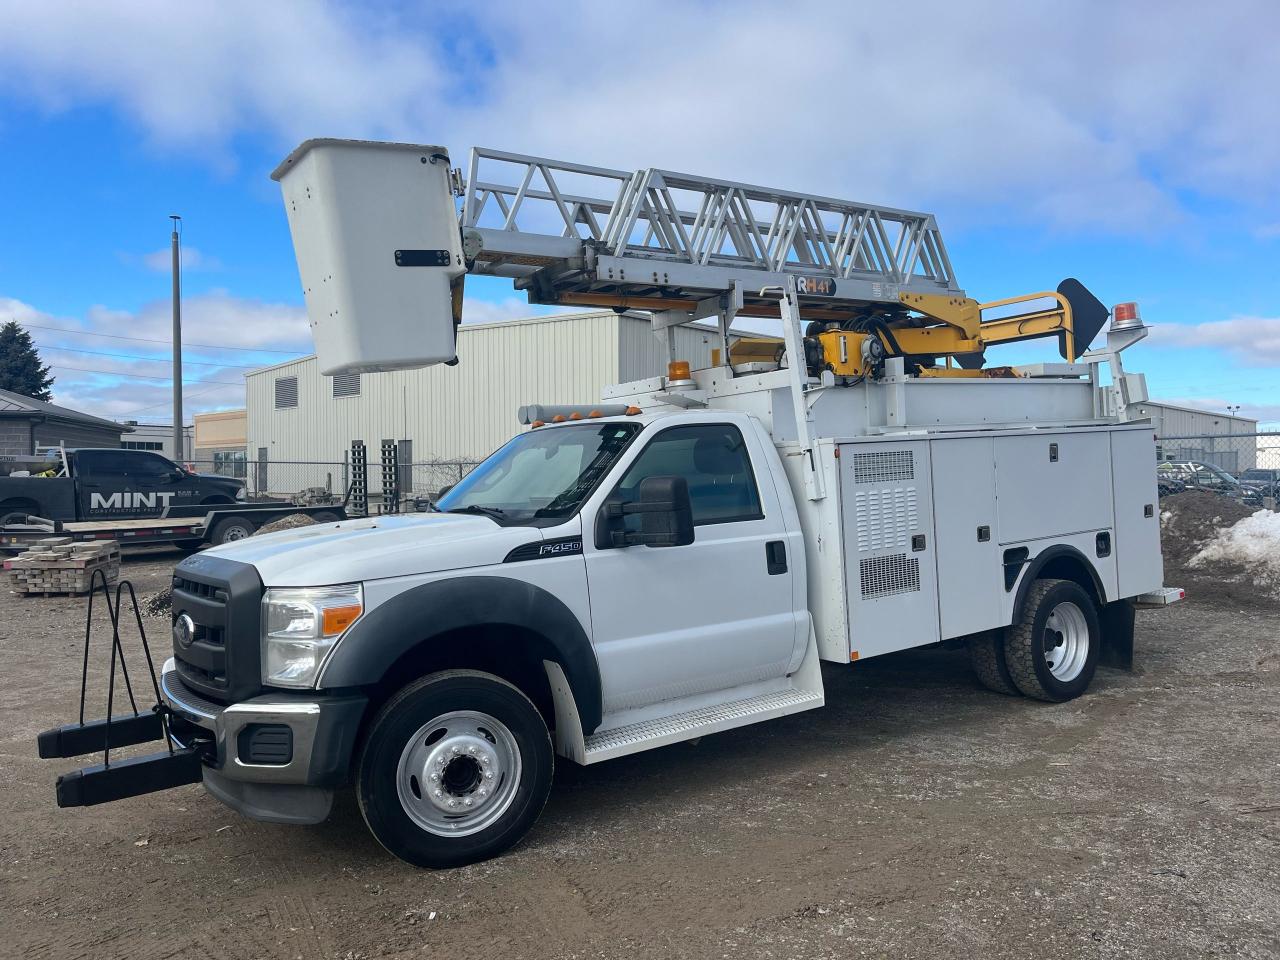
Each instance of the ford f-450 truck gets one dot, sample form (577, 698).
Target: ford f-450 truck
(678, 558)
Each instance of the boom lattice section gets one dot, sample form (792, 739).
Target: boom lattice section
(573, 233)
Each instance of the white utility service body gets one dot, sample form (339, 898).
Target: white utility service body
(677, 558)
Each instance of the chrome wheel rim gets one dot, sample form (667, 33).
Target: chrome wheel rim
(459, 773)
(1066, 641)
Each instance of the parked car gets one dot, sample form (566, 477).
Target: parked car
(1264, 479)
(1206, 476)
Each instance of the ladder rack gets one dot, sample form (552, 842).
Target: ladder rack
(654, 239)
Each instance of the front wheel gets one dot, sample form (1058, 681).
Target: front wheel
(455, 769)
(1052, 648)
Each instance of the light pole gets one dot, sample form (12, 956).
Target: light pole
(179, 447)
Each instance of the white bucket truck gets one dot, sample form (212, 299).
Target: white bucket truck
(678, 558)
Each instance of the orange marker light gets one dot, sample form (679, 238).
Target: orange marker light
(336, 619)
(633, 411)
(595, 413)
(558, 418)
(678, 370)
(575, 415)
(536, 424)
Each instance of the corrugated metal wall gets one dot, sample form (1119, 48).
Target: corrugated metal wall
(460, 412)
(641, 354)
(1171, 421)
(466, 411)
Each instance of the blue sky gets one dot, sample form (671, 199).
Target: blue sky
(1135, 148)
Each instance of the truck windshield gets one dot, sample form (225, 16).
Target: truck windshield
(541, 476)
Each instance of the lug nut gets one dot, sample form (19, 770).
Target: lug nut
(471, 749)
(439, 794)
(467, 801)
(488, 774)
(455, 749)
(484, 760)
(453, 803)
(483, 792)
(434, 778)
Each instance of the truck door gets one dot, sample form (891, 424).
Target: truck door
(158, 483)
(102, 484)
(721, 612)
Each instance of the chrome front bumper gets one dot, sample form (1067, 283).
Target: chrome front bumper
(226, 723)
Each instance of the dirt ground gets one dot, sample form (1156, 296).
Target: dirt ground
(916, 816)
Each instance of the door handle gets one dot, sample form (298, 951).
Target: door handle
(775, 554)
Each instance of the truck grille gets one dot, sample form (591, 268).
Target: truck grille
(222, 599)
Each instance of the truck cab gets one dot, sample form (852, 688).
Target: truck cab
(108, 483)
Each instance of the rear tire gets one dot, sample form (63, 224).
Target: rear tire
(986, 653)
(455, 769)
(230, 530)
(1052, 648)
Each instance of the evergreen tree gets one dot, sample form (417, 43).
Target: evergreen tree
(21, 369)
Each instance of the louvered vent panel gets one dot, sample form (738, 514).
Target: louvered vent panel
(346, 385)
(887, 576)
(884, 519)
(286, 392)
(883, 466)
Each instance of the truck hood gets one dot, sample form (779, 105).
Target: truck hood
(375, 548)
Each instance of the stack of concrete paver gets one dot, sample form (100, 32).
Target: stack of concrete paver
(59, 565)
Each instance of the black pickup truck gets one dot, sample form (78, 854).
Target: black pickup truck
(106, 484)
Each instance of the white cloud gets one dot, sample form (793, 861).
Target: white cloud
(193, 260)
(115, 363)
(1250, 341)
(495, 311)
(1090, 115)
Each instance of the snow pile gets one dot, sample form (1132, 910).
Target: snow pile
(1252, 544)
(1191, 520)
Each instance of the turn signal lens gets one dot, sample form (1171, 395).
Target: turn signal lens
(678, 370)
(337, 619)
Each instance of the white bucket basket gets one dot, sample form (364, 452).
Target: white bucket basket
(378, 246)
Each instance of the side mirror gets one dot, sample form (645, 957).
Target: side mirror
(666, 516)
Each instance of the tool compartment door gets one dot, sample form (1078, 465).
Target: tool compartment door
(1139, 565)
(887, 523)
(970, 572)
(1052, 484)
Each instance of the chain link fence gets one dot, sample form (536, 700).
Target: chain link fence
(1244, 466)
(315, 482)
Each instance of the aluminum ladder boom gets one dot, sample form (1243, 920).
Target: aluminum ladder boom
(580, 235)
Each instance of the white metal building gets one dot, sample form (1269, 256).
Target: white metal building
(461, 412)
(1185, 433)
(157, 437)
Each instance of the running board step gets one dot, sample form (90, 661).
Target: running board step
(648, 734)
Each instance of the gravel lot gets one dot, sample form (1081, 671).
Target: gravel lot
(916, 816)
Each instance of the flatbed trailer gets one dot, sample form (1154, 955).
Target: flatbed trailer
(224, 524)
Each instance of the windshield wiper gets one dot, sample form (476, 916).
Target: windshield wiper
(493, 513)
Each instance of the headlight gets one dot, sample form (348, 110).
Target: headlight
(300, 625)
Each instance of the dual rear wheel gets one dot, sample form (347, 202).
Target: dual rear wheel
(1050, 652)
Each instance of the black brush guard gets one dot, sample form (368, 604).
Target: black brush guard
(116, 780)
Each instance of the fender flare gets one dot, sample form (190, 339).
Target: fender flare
(1041, 559)
(422, 613)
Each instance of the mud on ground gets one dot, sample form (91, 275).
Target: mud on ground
(917, 815)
